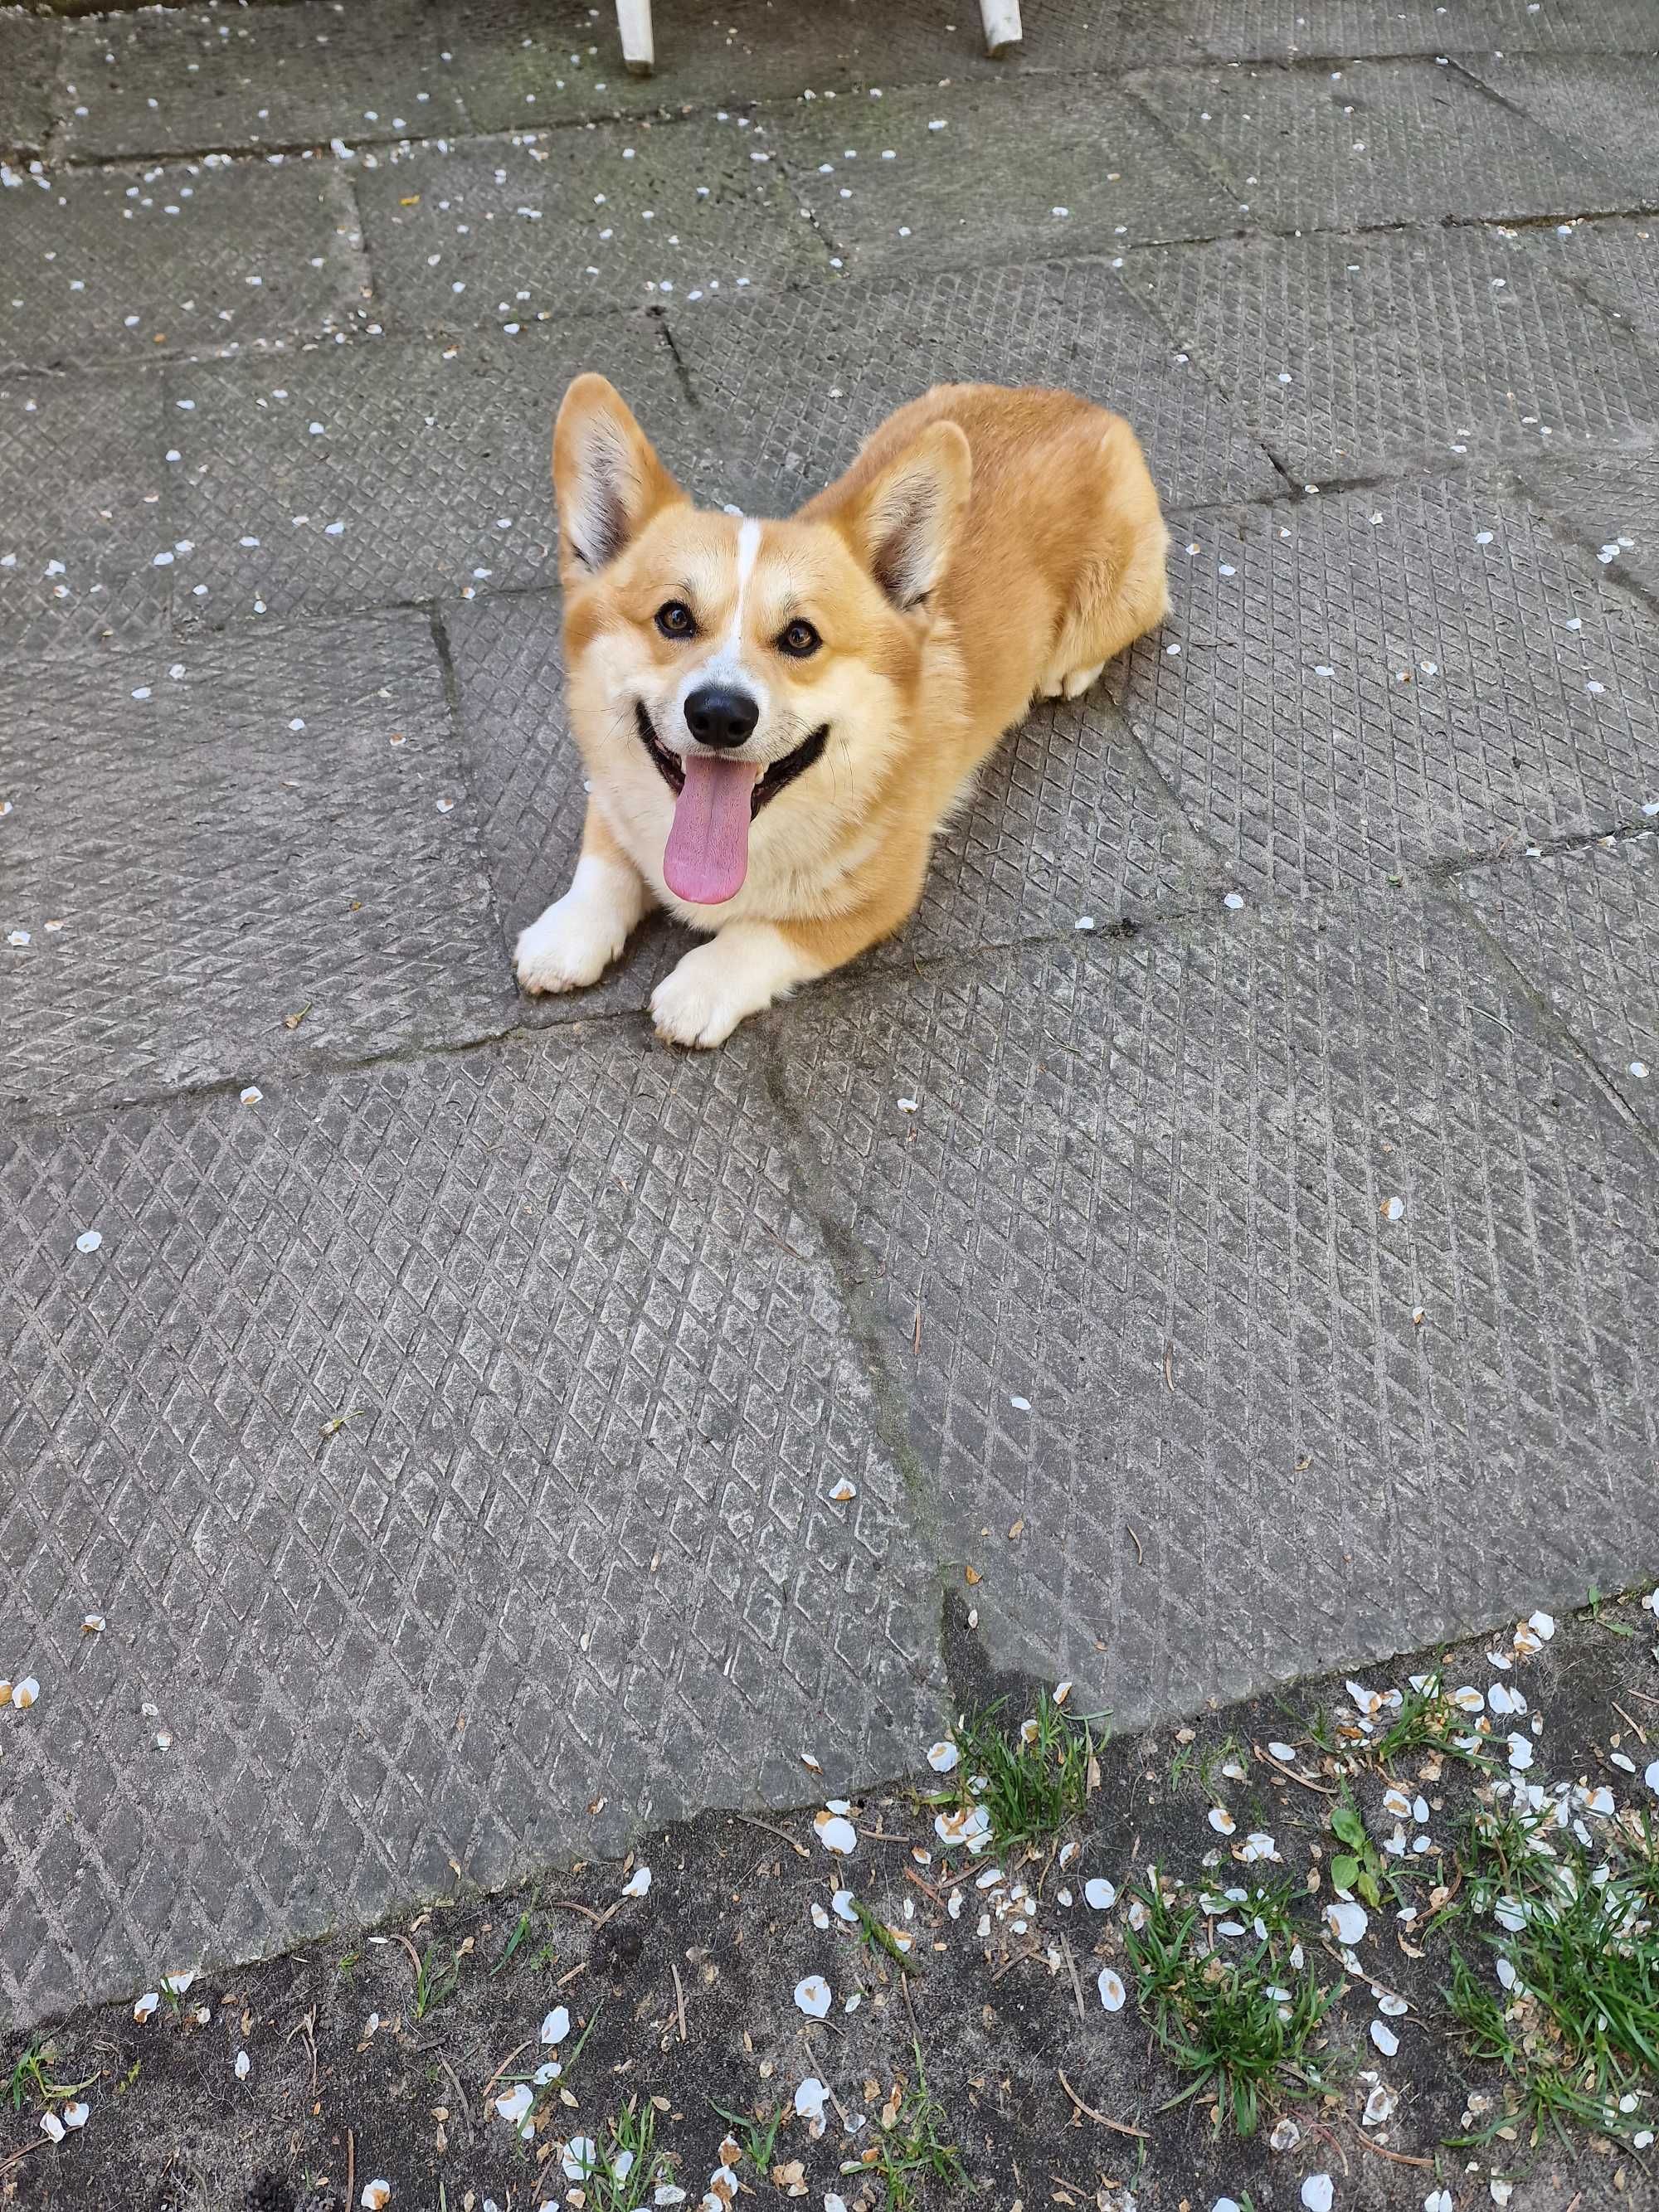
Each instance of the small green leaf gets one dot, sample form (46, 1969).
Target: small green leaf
(1344, 1871)
(1349, 1826)
(1369, 1890)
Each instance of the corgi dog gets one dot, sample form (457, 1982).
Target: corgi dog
(777, 717)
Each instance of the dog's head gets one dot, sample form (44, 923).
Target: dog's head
(732, 654)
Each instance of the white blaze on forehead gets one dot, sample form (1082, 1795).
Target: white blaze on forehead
(725, 664)
(749, 537)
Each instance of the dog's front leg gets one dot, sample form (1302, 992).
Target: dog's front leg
(574, 940)
(742, 969)
(749, 964)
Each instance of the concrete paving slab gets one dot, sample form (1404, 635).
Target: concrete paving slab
(1376, 142)
(1610, 504)
(1143, 1213)
(191, 80)
(1069, 820)
(112, 263)
(81, 483)
(527, 63)
(1615, 263)
(1605, 106)
(799, 380)
(1283, 30)
(1583, 928)
(207, 840)
(1363, 686)
(947, 177)
(573, 1542)
(1357, 355)
(29, 59)
(496, 231)
(424, 451)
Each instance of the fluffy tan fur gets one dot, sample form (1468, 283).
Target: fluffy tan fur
(986, 547)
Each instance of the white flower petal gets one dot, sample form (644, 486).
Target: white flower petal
(813, 1996)
(1346, 1921)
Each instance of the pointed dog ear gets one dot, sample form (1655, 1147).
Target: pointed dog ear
(903, 527)
(607, 478)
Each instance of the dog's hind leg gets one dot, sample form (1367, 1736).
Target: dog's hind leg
(1112, 608)
(1123, 590)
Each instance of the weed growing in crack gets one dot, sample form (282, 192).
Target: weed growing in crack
(1029, 1785)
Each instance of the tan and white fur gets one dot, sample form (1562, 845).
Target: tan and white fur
(986, 548)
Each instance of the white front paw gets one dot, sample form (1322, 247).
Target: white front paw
(571, 944)
(720, 983)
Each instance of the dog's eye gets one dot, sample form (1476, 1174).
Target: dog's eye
(675, 619)
(799, 639)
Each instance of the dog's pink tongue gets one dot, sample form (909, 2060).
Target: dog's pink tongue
(707, 856)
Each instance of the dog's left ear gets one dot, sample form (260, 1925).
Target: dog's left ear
(606, 477)
(904, 526)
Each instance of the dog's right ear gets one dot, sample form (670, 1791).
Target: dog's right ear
(606, 477)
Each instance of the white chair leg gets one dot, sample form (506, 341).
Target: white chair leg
(1002, 25)
(634, 22)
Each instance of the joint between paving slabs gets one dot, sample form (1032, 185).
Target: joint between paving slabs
(1452, 902)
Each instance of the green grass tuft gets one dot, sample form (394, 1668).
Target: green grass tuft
(1211, 2012)
(1031, 1784)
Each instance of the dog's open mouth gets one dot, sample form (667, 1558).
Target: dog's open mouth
(779, 773)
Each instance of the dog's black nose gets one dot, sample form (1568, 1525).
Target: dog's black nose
(715, 716)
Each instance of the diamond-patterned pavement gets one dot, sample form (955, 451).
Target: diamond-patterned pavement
(82, 482)
(1582, 928)
(1325, 698)
(500, 230)
(392, 469)
(1264, 1277)
(1380, 143)
(447, 1446)
(27, 59)
(1615, 264)
(192, 80)
(1610, 504)
(1604, 105)
(1287, 30)
(204, 848)
(1353, 355)
(938, 178)
(1203, 1407)
(113, 263)
(797, 380)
